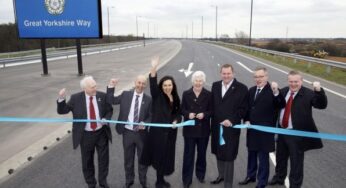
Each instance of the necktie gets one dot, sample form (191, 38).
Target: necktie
(257, 92)
(287, 112)
(135, 114)
(93, 125)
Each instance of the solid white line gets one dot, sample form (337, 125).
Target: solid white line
(245, 67)
(307, 81)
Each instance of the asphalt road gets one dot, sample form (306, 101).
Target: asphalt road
(61, 165)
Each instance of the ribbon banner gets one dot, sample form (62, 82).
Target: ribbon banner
(327, 136)
(61, 120)
(336, 137)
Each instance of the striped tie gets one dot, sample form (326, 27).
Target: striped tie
(136, 114)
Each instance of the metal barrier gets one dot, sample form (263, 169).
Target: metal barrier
(65, 53)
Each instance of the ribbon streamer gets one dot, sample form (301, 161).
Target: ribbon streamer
(61, 120)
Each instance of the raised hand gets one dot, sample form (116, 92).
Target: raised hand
(275, 88)
(113, 82)
(155, 62)
(62, 93)
(316, 85)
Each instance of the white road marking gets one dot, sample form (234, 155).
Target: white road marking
(245, 67)
(188, 71)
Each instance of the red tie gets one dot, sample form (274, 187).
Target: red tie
(93, 125)
(287, 112)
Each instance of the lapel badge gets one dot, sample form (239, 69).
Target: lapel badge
(98, 99)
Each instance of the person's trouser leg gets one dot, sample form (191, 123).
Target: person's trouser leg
(228, 173)
(188, 159)
(263, 169)
(201, 162)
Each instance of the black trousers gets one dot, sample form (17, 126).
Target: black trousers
(258, 165)
(91, 140)
(288, 147)
(189, 156)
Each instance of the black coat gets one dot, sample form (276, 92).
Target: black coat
(159, 147)
(200, 104)
(263, 111)
(77, 105)
(233, 106)
(301, 114)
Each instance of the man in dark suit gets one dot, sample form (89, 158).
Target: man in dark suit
(229, 101)
(89, 104)
(135, 106)
(265, 101)
(297, 115)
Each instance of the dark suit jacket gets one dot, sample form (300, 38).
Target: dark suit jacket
(125, 100)
(232, 106)
(301, 114)
(192, 104)
(263, 111)
(78, 107)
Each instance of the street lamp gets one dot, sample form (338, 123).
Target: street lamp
(137, 25)
(250, 23)
(215, 21)
(109, 37)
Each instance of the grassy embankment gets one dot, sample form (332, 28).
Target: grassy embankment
(336, 75)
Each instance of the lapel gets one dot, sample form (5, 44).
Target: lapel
(84, 110)
(129, 101)
(263, 91)
(99, 103)
(142, 109)
(230, 90)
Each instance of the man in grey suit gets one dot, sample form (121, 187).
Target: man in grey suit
(135, 106)
(89, 104)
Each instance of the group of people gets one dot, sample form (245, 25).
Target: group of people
(215, 112)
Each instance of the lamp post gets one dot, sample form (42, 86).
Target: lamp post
(109, 37)
(137, 26)
(250, 23)
(202, 29)
(215, 21)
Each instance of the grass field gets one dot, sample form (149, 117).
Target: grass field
(336, 75)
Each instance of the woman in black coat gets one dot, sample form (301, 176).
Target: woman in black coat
(159, 149)
(196, 105)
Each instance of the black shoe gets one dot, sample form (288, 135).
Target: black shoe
(166, 184)
(247, 180)
(275, 181)
(187, 185)
(162, 184)
(201, 180)
(128, 185)
(91, 186)
(217, 181)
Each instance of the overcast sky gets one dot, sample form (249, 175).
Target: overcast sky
(172, 18)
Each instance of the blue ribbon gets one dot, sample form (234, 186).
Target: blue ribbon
(61, 120)
(328, 136)
(221, 140)
(337, 137)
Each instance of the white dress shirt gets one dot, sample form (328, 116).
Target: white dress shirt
(225, 87)
(132, 109)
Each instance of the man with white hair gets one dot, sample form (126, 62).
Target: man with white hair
(89, 104)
